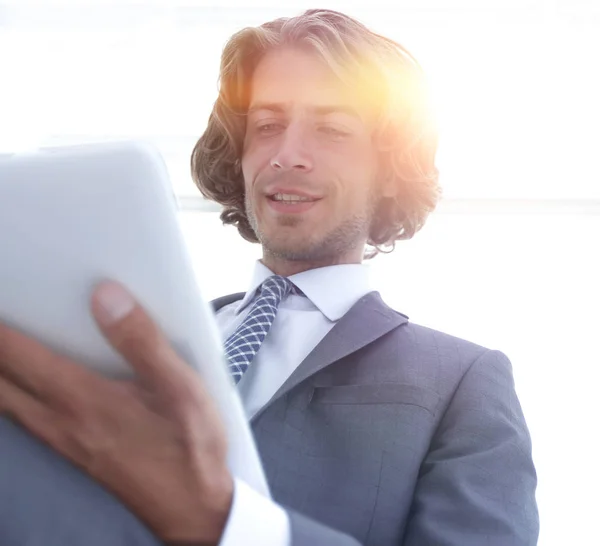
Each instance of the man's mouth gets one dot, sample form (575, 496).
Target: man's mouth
(291, 203)
(291, 198)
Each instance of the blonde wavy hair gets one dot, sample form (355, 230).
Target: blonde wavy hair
(389, 79)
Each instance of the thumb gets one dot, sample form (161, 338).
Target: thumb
(131, 331)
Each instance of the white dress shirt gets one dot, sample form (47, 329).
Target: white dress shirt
(301, 323)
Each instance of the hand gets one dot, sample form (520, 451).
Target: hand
(156, 442)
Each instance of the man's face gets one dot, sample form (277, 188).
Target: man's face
(309, 164)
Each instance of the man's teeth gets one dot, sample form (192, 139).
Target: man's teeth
(290, 198)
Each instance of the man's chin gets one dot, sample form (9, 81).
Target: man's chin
(295, 248)
(290, 252)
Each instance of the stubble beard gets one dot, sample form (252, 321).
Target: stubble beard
(327, 248)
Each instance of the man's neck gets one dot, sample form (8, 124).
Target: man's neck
(286, 268)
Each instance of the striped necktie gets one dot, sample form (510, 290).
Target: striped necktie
(244, 343)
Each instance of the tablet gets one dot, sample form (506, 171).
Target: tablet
(73, 216)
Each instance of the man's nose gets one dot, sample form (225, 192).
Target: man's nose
(293, 150)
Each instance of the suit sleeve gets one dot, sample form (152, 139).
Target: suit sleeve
(477, 484)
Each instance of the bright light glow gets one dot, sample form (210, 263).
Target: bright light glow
(514, 88)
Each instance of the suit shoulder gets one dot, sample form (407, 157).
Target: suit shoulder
(425, 333)
(429, 344)
(442, 360)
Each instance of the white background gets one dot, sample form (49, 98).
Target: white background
(510, 259)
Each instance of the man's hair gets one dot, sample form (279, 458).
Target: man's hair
(389, 80)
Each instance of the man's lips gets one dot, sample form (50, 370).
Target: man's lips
(301, 189)
(278, 191)
(286, 204)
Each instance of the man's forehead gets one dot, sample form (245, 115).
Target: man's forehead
(285, 82)
(287, 92)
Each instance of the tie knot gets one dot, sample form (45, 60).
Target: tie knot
(278, 287)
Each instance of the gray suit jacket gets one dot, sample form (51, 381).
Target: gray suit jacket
(388, 433)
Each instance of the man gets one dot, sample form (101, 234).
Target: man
(372, 430)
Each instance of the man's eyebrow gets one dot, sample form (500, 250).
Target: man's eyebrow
(277, 107)
(325, 110)
(336, 109)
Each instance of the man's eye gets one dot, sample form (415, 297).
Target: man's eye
(268, 128)
(332, 131)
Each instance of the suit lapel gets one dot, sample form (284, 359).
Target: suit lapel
(368, 320)
(226, 300)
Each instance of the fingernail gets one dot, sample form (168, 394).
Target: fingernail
(114, 303)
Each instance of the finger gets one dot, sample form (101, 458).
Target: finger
(131, 331)
(29, 412)
(49, 426)
(38, 370)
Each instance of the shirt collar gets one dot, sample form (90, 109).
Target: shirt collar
(333, 289)
(260, 275)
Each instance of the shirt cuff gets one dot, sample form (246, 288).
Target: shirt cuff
(255, 519)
